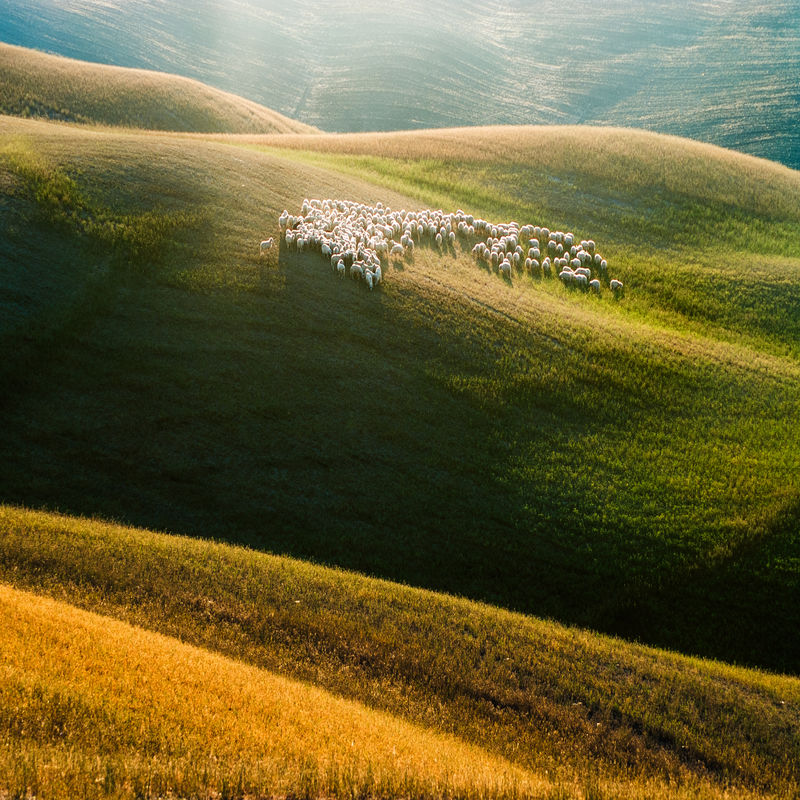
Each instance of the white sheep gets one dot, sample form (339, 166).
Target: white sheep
(616, 286)
(594, 285)
(265, 245)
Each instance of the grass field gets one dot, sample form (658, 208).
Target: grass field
(725, 72)
(629, 466)
(418, 694)
(95, 708)
(34, 84)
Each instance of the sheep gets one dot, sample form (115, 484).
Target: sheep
(356, 236)
(356, 271)
(265, 245)
(616, 286)
(594, 285)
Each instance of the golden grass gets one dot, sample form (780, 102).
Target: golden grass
(40, 85)
(146, 708)
(558, 702)
(633, 157)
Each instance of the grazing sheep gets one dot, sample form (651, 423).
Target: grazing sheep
(594, 285)
(616, 286)
(355, 236)
(265, 245)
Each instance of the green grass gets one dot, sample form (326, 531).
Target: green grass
(559, 702)
(629, 466)
(708, 240)
(38, 85)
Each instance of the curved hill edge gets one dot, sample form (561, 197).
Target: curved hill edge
(537, 692)
(499, 143)
(132, 689)
(38, 84)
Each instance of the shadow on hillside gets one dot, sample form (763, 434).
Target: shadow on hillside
(315, 420)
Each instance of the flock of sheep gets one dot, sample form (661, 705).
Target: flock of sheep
(357, 239)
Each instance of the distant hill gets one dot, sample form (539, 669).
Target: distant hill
(35, 84)
(724, 72)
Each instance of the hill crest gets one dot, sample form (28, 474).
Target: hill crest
(37, 84)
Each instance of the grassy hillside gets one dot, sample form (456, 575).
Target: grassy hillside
(34, 84)
(155, 718)
(508, 704)
(628, 466)
(724, 72)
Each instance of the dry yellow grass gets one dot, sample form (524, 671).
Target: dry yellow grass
(131, 700)
(40, 85)
(635, 157)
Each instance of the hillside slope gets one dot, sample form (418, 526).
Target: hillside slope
(157, 717)
(461, 689)
(725, 72)
(35, 84)
(630, 466)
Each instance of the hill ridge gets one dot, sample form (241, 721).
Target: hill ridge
(37, 84)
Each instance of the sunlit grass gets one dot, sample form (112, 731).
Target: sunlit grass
(97, 708)
(35, 84)
(555, 701)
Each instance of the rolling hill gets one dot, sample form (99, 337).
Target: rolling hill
(724, 72)
(628, 466)
(203, 684)
(34, 84)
